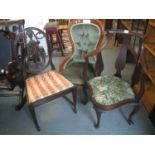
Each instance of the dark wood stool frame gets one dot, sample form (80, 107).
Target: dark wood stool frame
(54, 30)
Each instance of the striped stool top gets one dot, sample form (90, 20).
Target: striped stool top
(45, 84)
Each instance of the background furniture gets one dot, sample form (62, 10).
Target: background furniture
(53, 32)
(136, 25)
(62, 23)
(108, 92)
(43, 83)
(107, 23)
(10, 69)
(86, 37)
(62, 28)
(14, 26)
(149, 97)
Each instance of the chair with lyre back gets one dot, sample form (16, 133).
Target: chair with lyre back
(43, 83)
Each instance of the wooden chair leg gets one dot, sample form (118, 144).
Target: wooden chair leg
(85, 99)
(134, 111)
(74, 94)
(98, 114)
(32, 112)
(22, 100)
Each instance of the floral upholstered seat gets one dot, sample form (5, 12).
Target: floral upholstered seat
(108, 90)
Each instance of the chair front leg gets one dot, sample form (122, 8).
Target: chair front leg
(85, 97)
(74, 94)
(98, 114)
(22, 100)
(32, 112)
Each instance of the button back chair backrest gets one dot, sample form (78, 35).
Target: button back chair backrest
(126, 84)
(43, 83)
(85, 36)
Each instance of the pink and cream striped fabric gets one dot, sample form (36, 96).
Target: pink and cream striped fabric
(46, 84)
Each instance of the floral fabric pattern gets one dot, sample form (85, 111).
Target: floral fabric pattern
(108, 90)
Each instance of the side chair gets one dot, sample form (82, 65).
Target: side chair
(42, 82)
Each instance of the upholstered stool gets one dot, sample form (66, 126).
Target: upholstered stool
(55, 36)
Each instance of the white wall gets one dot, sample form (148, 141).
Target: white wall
(36, 22)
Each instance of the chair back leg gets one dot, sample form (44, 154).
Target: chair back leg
(85, 99)
(134, 111)
(74, 95)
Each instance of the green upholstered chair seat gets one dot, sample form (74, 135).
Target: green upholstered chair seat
(108, 90)
(74, 73)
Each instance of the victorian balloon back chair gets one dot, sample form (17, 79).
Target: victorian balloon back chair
(108, 92)
(43, 83)
(86, 37)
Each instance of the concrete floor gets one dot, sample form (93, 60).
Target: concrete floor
(57, 117)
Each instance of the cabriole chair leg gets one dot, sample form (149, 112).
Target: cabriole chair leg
(98, 114)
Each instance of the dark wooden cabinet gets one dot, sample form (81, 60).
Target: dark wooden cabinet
(149, 96)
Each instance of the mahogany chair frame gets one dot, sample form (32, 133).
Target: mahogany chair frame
(137, 76)
(97, 52)
(27, 74)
